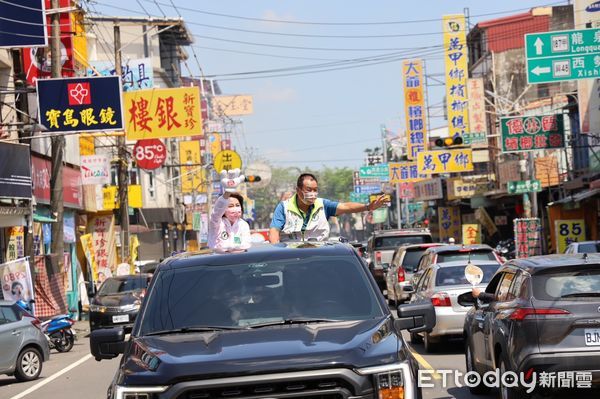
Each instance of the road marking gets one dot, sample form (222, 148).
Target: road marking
(51, 378)
(422, 362)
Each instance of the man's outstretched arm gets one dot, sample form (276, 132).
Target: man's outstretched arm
(273, 235)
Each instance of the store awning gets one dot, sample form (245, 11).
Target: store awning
(43, 219)
(579, 196)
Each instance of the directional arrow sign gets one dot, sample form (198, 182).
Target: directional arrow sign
(563, 55)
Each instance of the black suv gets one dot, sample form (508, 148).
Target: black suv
(542, 315)
(277, 321)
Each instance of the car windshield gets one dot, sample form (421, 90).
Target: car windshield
(454, 256)
(246, 295)
(589, 248)
(576, 282)
(396, 241)
(455, 275)
(412, 258)
(116, 286)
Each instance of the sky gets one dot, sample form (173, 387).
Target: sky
(326, 118)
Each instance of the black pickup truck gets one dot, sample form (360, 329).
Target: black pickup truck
(277, 321)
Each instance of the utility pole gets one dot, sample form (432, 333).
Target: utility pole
(123, 163)
(58, 145)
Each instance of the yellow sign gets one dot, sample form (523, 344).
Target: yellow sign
(162, 113)
(192, 177)
(227, 160)
(15, 247)
(458, 188)
(134, 244)
(373, 197)
(111, 201)
(414, 107)
(88, 249)
(455, 54)
(232, 105)
(471, 234)
(86, 146)
(80, 50)
(445, 161)
(404, 172)
(546, 171)
(568, 231)
(449, 223)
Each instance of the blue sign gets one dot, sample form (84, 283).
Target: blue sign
(594, 7)
(136, 74)
(23, 24)
(80, 104)
(367, 189)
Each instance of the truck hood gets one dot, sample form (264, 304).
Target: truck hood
(167, 359)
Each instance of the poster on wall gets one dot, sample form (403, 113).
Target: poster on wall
(16, 280)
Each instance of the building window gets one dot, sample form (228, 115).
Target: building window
(151, 188)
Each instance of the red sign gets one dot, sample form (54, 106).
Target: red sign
(36, 60)
(79, 93)
(150, 153)
(72, 191)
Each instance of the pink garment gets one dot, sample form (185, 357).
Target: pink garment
(224, 236)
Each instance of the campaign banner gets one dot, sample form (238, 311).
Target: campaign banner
(163, 113)
(136, 74)
(16, 280)
(80, 104)
(23, 24)
(95, 169)
(15, 171)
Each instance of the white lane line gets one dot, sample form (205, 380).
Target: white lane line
(51, 378)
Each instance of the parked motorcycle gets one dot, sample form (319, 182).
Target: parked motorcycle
(506, 248)
(57, 330)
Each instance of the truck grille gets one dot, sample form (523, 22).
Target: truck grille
(317, 389)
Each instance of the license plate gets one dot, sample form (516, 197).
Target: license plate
(592, 336)
(124, 318)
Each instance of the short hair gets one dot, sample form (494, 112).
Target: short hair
(239, 198)
(304, 176)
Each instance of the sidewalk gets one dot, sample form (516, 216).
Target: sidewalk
(82, 327)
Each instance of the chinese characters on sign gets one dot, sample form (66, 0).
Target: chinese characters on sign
(192, 175)
(455, 54)
(445, 161)
(104, 247)
(414, 107)
(404, 172)
(428, 190)
(227, 160)
(80, 104)
(528, 240)
(380, 172)
(458, 188)
(162, 113)
(15, 247)
(471, 234)
(232, 105)
(567, 232)
(95, 169)
(136, 74)
(526, 133)
(477, 120)
(449, 223)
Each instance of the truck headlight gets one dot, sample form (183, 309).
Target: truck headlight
(97, 308)
(138, 392)
(393, 381)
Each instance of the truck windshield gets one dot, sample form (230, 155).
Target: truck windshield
(243, 295)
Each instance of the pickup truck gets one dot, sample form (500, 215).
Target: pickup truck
(293, 320)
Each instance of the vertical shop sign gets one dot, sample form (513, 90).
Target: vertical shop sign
(528, 240)
(414, 107)
(471, 234)
(477, 119)
(449, 223)
(455, 54)
(192, 175)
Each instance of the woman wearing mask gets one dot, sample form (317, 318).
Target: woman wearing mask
(227, 231)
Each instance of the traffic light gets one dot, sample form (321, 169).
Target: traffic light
(448, 141)
(252, 179)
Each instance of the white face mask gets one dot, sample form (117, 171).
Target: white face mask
(311, 195)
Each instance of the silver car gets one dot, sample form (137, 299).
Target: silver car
(441, 284)
(584, 247)
(23, 346)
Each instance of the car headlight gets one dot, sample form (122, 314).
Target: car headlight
(138, 392)
(130, 308)
(393, 381)
(97, 308)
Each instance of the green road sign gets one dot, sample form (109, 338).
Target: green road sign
(362, 198)
(522, 187)
(381, 172)
(563, 55)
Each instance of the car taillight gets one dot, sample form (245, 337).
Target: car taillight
(37, 323)
(440, 299)
(378, 256)
(401, 275)
(521, 313)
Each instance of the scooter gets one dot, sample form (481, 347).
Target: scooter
(57, 330)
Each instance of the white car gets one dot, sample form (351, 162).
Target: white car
(584, 247)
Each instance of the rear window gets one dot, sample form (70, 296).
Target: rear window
(116, 286)
(455, 275)
(567, 284)
(590, 248)
(411, 259)
(396, 241)
(464, 256)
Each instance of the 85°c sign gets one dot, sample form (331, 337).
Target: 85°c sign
(150, 154)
